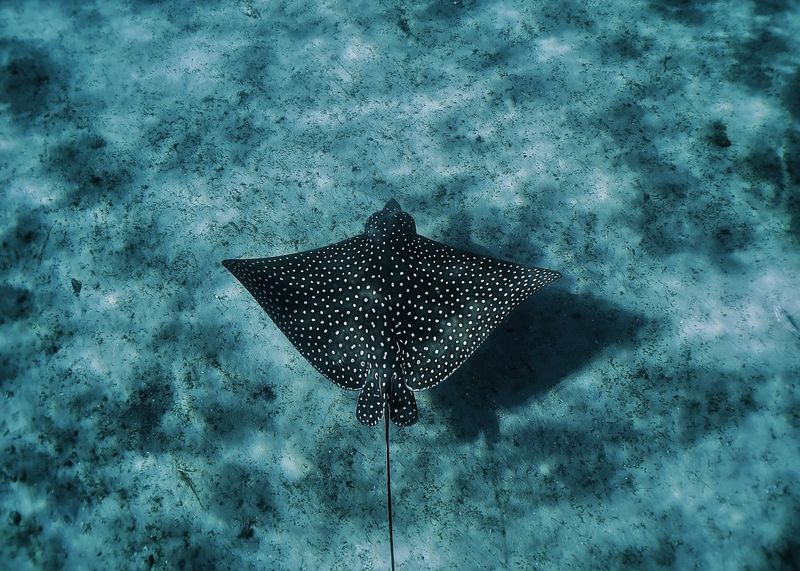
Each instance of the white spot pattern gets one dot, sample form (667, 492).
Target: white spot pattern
(389, 311)
(455, 299)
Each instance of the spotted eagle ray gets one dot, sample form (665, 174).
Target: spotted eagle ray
(387, 312)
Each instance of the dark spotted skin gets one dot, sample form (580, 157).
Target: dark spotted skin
(387, 312)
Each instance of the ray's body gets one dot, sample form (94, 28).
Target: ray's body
(387, 312)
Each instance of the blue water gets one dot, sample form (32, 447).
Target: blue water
(640, 413)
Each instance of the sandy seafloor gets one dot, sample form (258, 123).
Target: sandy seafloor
(641, 413)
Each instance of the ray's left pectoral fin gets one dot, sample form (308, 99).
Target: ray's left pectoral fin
(315, 298)
(370, 405)
(403, 406)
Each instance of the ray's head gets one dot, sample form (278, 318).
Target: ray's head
(390, 223)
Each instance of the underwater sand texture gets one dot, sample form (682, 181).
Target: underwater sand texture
(641, 412)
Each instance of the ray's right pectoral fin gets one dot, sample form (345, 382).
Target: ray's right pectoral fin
(369, 409)
(403, 406)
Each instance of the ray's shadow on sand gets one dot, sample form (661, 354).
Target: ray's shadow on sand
(545, 340)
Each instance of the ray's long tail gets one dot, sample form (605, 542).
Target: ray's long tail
(389, 483)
